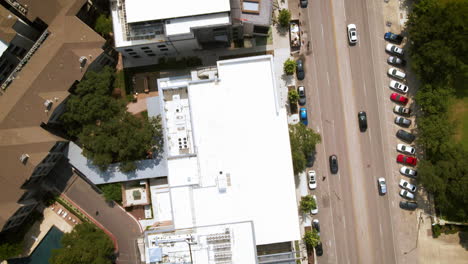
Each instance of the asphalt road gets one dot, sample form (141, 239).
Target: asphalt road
(342, 80)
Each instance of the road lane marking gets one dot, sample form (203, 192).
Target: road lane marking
(328, 79)
(321, 26)
(365, 89)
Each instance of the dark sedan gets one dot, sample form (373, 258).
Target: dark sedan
(300, 70)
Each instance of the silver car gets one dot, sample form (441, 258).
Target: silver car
(402, 121)
(398, 86)
(406, 194)
(396, 73)
(382, 185)
(394, 49)
(408, 172)
(408, 186)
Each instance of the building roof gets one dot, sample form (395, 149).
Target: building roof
(183, 25)
(49, 73)
(7, 20)
(148, 10)
(244, 165)
(146, 169)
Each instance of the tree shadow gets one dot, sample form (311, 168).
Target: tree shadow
(463, 235)
(282, 31)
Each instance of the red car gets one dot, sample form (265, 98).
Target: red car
(398, 98)
(407, 160)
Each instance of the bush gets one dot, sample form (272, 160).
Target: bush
(436, 231)
(112, 192)
(284, 16)
(293, 97)
(10, 250)
(289, 67)
(311, 238)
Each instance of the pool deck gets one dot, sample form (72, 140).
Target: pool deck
(51, 218)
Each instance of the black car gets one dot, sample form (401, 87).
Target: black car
(300, 70)
(304, 3)
(319, 249)
(392, 37)
(333, 164)
(408, 205)
(405, 136)
(316, 225)
(362, 118)
(302, 96)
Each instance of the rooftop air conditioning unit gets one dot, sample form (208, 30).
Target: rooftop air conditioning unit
(24, 158)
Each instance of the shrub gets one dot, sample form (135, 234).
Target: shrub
(112, 192)
(293, 97)
(436, 231)
(307, 203)
(289, 67)
(311, 238)
(103, 25)
(284, 16)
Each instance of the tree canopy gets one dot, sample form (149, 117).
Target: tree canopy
(307, 203)
(311, 238)
(289, 67)
(112, 191)
(85, 244)
(103, 25)
(439, 56)
(303, 141)
(103, 127)
(284, 16)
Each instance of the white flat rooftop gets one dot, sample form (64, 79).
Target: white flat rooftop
(244, 156)
(148, 10)
(183, 25)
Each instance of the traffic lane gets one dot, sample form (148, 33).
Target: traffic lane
(327, 100)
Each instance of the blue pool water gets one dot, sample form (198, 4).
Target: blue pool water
(43, 251)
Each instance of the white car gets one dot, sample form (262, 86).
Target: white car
(314, 210)
(396, 73)
(352, 34)
(406, 149)
(312, 180)
(382, 185)
(398, 109)
(408, 186)
(408, 172)
(394, 49)
(406, 194)
(398, 86)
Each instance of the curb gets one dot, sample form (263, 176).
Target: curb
(114, 240)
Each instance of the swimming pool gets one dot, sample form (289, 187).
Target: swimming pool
(43, 251)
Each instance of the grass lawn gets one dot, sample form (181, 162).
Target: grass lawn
(459, 111)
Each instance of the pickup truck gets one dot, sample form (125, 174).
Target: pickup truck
(294, 35)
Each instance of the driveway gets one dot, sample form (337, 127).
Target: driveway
(122, 226)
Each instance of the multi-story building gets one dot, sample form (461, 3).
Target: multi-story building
(230, 185)
(29, 150)
(146, 30)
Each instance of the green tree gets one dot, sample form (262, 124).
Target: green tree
(293, 97)
(112, 192)
(307, 203)
(311, 238)
(289, 67)
(85, 244)
(10, 250)
(303, 141)
(103, 25)
(284, 16)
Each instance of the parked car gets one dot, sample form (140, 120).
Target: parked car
(314, 211)
(398, 98)
(319, 249)
(407, 160)
(394, 49)
(303, 116)
(300, 70)
(304, 3)
(316, 225)
(398, 86)
(405, 136)
(401, 110)
(362, 118)
(352, 34)
(333, 159)
(302, 95)
(408, 205)
(405, 149)
(408, 172)
(382, 186)
(312, 180)
(396, 73)
(392, 37)
(396, 61)
(402, 121)
(408, 186)
(406, 194)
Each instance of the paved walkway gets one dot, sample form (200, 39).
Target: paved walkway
(112, 217)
